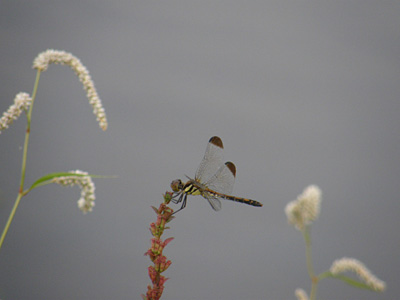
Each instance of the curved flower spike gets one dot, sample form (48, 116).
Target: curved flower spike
(44, 59)
(86, 202)
(353, 265)
(21, 102)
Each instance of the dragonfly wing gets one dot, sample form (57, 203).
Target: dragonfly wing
(213, 200)
(212, 160)
(222, 181)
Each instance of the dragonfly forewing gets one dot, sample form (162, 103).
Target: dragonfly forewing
(212, 160)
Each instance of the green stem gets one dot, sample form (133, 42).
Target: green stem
(310, 268)
(313, 290)
(3, 236)
(325, 274)
(23, 168)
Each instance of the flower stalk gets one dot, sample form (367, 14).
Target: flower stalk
(310, 267)
(21, 192)
(155, 252)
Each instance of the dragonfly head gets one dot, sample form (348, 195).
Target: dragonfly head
(177, 185)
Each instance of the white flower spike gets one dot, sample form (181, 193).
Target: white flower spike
(305, 209)
(21, 102)
(353, 265)
(301, 294)
(44, 59)
(86, 202)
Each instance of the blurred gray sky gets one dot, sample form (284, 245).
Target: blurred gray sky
(300, 93)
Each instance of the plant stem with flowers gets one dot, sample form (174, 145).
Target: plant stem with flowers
(301, 213)
(155, 252)
(23, 103)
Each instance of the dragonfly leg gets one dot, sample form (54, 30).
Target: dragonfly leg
(184, 196)
(173, 198)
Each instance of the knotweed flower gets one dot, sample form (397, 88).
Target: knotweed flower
(21, 103)
(353, 265)
(155, 252)
(161, 263)
(157, 246)
(301, 294)
(86, 202)
(305, 209)
(44, 59)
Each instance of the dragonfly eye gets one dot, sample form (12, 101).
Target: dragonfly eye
(176, 185)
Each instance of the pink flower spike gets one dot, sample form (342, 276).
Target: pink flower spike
(155, 252)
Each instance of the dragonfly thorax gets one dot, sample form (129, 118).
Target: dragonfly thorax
(191, 187)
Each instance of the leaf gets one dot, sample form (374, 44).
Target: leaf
(353, 282)
(167, 241)
(170, 219)
(155, 209)
(46, 178)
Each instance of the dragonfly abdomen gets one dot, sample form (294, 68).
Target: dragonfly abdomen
(238, 199)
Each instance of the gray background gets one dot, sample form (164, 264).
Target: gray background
(300, 92)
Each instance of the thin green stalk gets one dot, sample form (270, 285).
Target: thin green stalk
(313, 290)
(3, 236)
(28, 131)
(21, 192)
(310, 268)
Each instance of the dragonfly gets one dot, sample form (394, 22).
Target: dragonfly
(213, 180)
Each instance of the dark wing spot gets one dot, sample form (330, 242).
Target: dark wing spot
(216, 141)
(231, 167)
